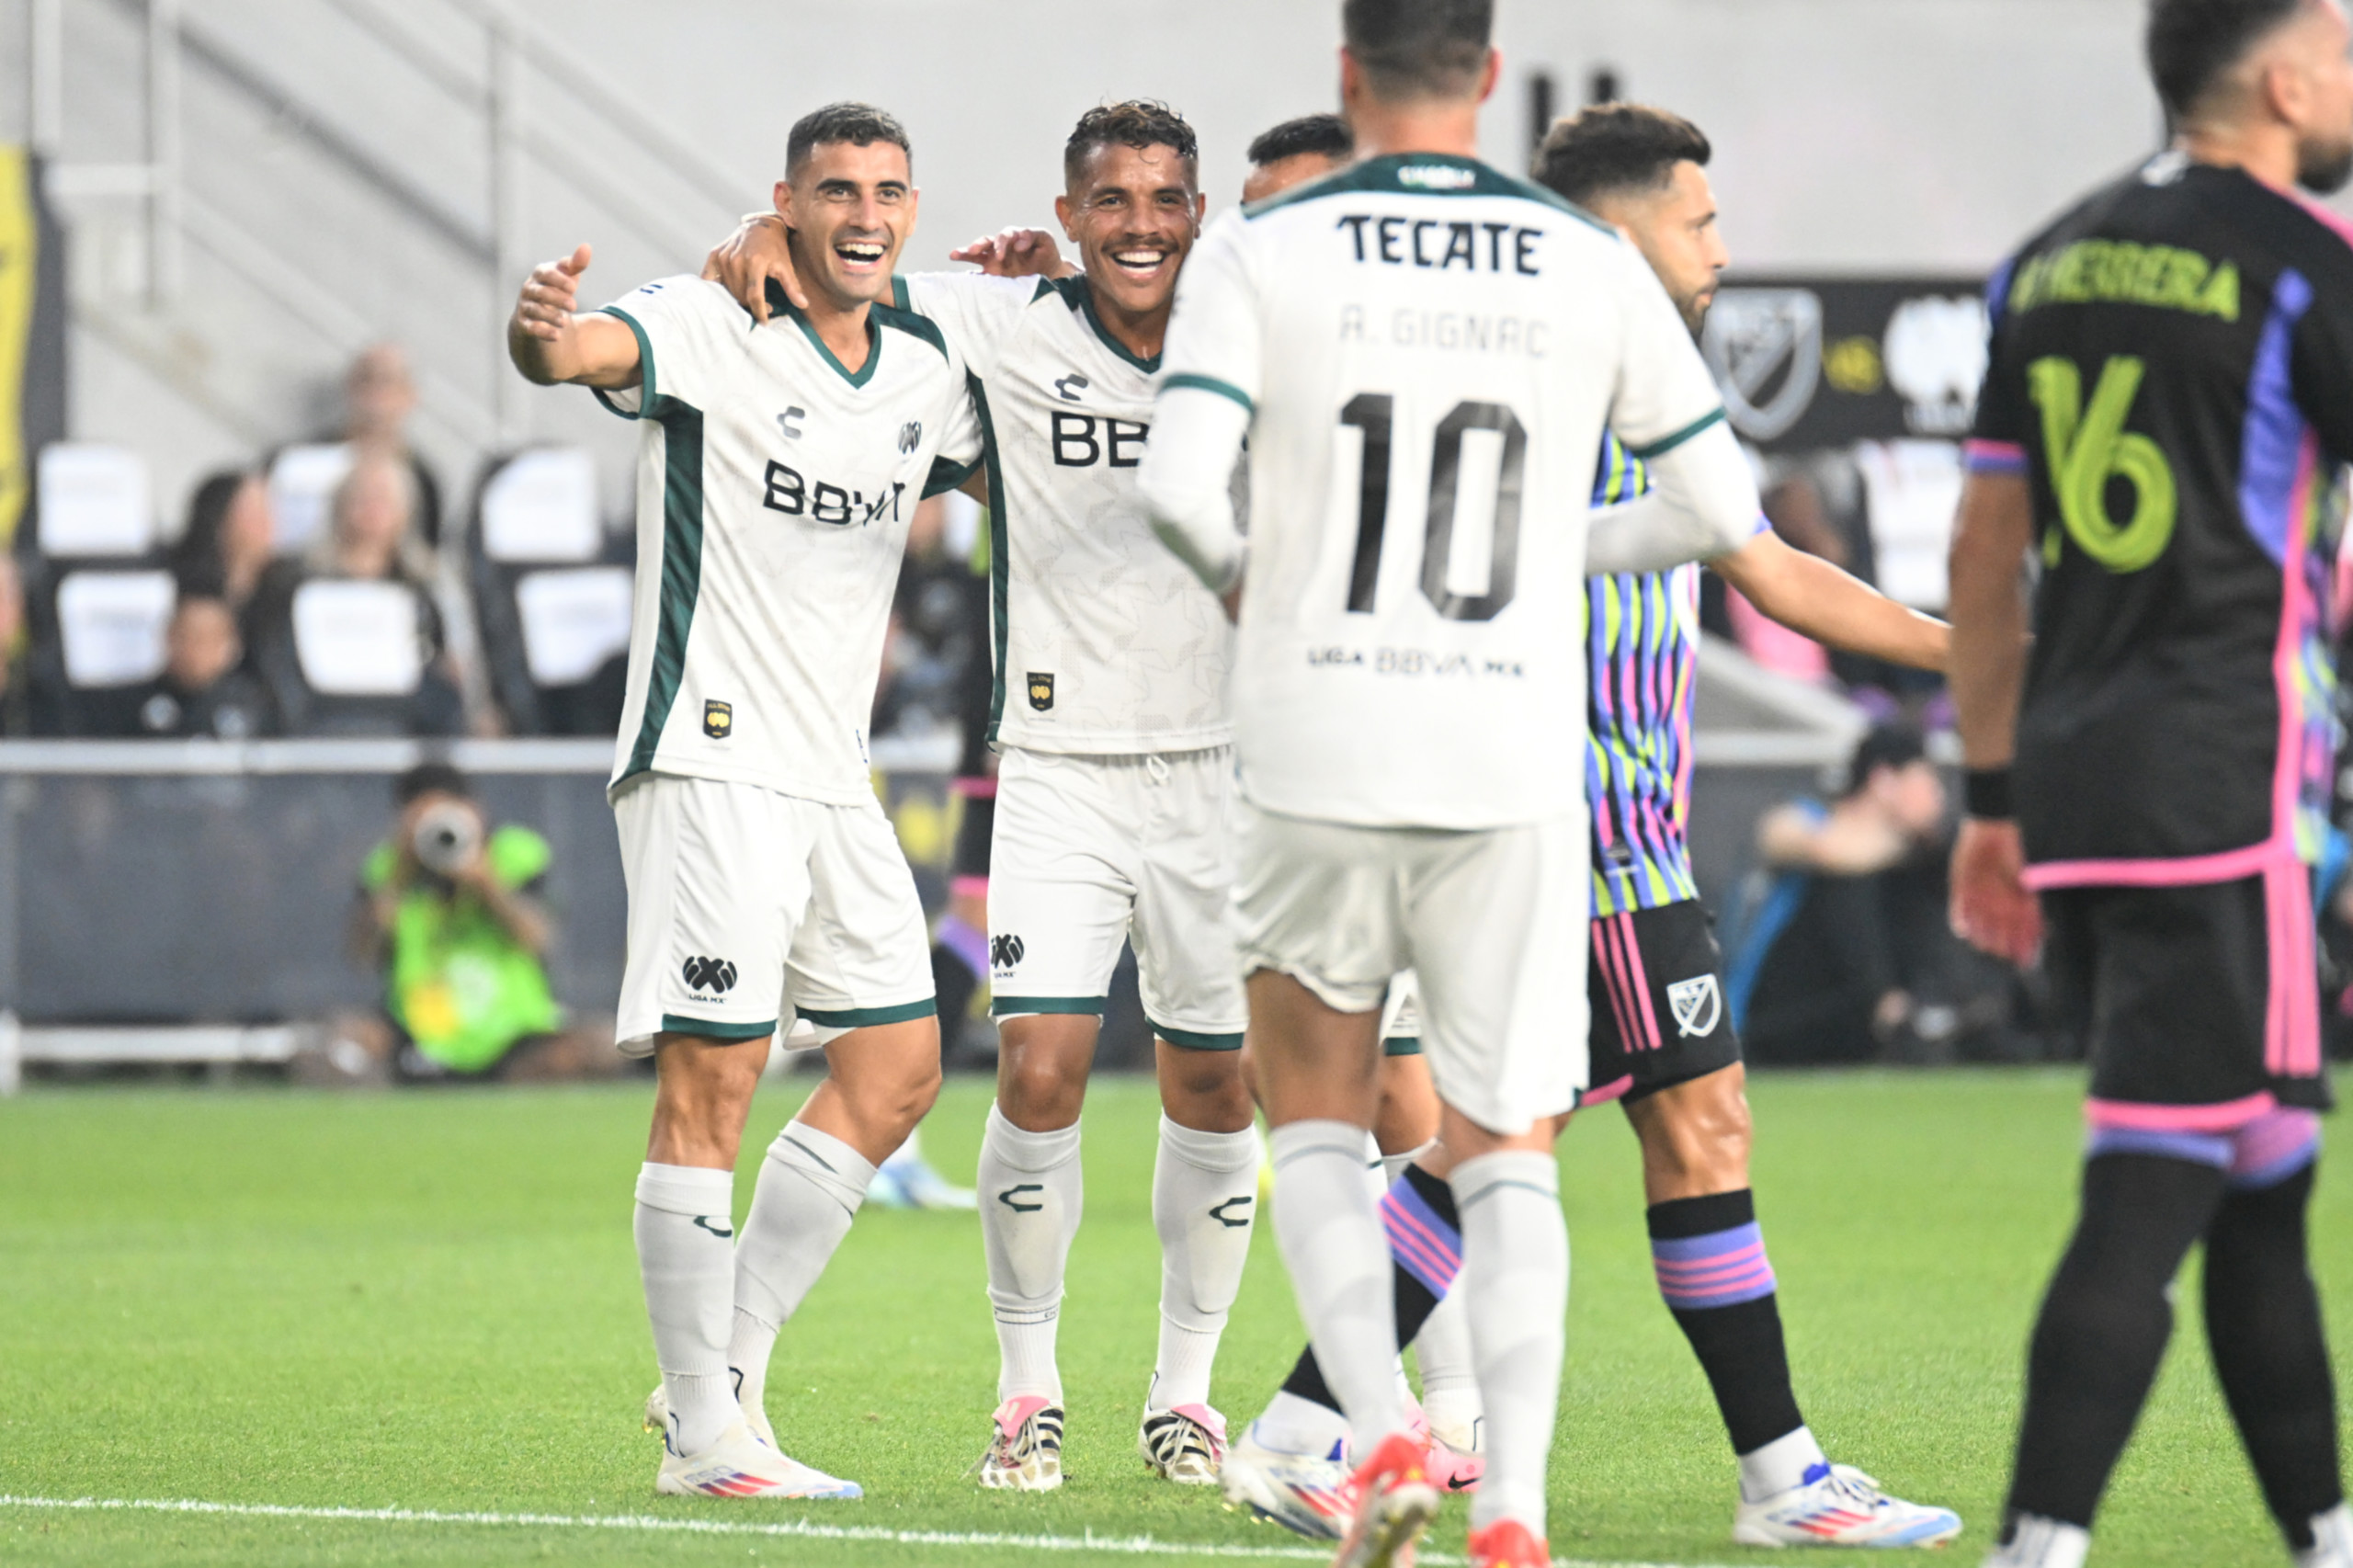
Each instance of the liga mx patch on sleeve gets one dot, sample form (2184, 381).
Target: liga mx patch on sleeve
(1042, 689)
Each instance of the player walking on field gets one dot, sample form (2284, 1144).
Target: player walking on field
(2168, 407)
(780, 465)
(1423, 352)
(1661, 1041)
(1114, 804)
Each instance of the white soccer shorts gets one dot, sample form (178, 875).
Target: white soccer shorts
(748, 907)
(1091, 851)
(1492, 923)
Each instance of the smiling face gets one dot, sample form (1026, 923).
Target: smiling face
(1133, 213)
(1674, 228)
(850, 210)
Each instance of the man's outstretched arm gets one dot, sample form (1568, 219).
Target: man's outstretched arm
(551, 341)
(1809, 594)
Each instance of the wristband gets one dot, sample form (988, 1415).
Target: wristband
(1985, 794)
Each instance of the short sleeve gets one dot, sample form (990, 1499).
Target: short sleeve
(687, 329)
(959, 457)
(1665, 395)
(1997, 440)
(2321, 362)
(1215, 343)
(976, 314)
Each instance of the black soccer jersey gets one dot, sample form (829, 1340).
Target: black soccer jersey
(2172, 367)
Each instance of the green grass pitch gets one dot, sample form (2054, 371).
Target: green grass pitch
(429, 1303)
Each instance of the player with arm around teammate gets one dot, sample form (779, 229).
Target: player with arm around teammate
(781, 466)
(1114, 804)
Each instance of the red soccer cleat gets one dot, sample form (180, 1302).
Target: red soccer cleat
(1507, 1544)
(1394, 1500)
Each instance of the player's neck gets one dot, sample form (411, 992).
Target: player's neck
(1141, 333)
(2268, 153)
(1448, 126)
(839, 325)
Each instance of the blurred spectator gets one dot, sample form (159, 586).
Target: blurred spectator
(448, 912)
(369, 538)
(15, 652)
(1834, 961)
(380, 395)
(227, 546)
(202, 691)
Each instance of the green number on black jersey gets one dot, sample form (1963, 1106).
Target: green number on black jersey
(2084, 448)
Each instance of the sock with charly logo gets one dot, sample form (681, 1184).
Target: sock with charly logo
(1710, 1259)
(810, 1188)
(686, 1254)
(1204, 1200)
(1032, 1195)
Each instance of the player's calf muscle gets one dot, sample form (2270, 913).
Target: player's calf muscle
(1695, 1136)
(702, 1094)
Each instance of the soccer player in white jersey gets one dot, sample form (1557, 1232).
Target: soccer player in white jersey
(781, 466)
(1114, 806)
(1423, 353)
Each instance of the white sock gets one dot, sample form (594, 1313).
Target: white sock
(1296, 1425)
(1779, 1465)
(686, 1234)
(1031, 1197)
(2039, 1542)
(2332, 1544)
(1450, 1371)
(1338, 1255)
(809, 1189)
(1204, 1196)
(1393, 1165)
(1516, 1262)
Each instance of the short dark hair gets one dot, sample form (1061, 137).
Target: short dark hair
(430, 779)
(2190, 44)
(1884, 745)
(1418, 48)
(860, 125)
(1608, 148)
(1138, 123)
(1327, 135)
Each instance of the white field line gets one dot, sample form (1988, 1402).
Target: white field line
(799, 1529)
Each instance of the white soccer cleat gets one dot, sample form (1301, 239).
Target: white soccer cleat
(1306, 1494)
(1393, 1501)
(2332, 1544)
(1185, 1443)
(657, 1418)
(1839, 1506)
(2038, 1543)
(740, 1465)
(911, 1183)
(1025, 1451)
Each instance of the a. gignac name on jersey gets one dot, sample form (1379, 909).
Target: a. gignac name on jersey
(789, 492)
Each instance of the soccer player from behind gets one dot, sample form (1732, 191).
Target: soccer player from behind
(780, 468)
(1661, 1043)
(1114, 803)
(1423, 353)
(2167, 405)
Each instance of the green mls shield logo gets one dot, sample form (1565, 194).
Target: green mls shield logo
(1042, 689)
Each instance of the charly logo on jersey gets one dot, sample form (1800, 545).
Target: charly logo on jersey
(1006, 950)
(1068, 387)
(789, 421)
(1436, 176)
(1042, 689)
(1764, 347)
(716, 976)
(1698, 1004)
(717, 720)
(910, 434)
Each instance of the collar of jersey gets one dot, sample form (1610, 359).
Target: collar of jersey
(1385, 174)
(865, 373)
(1074, 289)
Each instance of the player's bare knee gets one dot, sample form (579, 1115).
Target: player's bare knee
(1204, 1090)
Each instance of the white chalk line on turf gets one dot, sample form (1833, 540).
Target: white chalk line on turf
(801, 1529)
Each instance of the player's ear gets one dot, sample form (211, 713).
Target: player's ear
(1063, 213)
(780, 197)
(1201, 212)
(1492, 73)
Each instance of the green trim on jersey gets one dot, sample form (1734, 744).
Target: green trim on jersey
(946, 476)
(704, 1028)
(1193, 1040)
(1389, 174)
(912, 322)
(1208, 384)
(865, 372)
(1659, 448)
(1014, 1007)
(1045, 286)
(862, 1017)
(1000, 556)
(681, 547)
(1402, 1045)
(1078, 291)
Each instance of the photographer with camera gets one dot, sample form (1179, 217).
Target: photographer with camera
(448, 912)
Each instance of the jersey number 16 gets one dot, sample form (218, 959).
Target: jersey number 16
(1374, 414)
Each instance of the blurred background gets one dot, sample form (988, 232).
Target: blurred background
(283, 526)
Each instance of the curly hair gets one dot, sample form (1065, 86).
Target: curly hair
(1138, 123)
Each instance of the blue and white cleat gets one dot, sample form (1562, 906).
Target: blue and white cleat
(1839, 1506)
(906, 1180)
(740, 1465)
(1306, 1494)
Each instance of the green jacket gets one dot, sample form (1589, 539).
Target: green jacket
(462, 989)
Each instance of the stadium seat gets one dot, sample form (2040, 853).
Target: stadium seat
(356, 660)
(96, 596)
(552, 594)
(302, 481)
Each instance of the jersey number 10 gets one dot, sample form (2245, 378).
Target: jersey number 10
(1374, 414)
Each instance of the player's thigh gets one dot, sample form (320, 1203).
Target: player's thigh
(1320, 903)
(707, 944)
(1062, 884)
(1496, 924)
(1654, 992)
(1187, 967)
(860, 955)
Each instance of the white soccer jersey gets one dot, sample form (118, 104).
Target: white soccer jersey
(773, 497)
(1431, 350)
(1105, 644)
